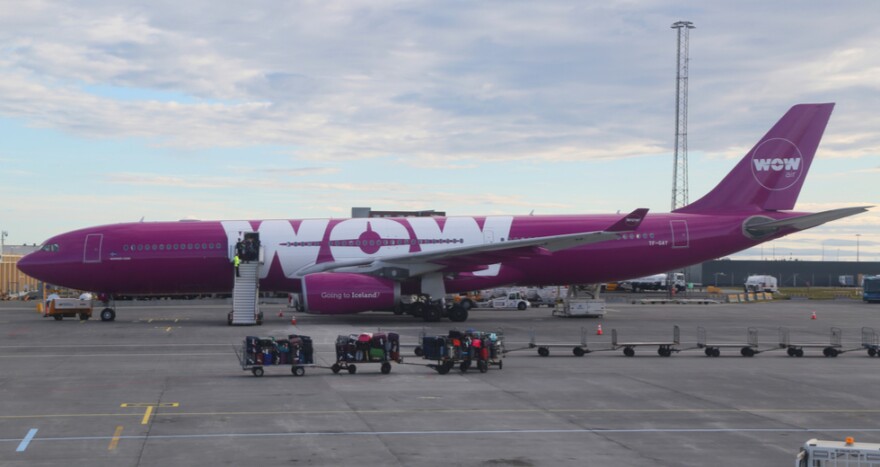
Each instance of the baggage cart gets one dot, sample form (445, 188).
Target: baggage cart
(464, 349)
(871, 342)
(353, 349)
(295, 352)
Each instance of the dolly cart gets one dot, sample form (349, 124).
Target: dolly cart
(871, 342)
(831, 350)
(259, 352)
(464, 349)
(367, 347)
(664, 349)
(578, 350)
(714, 349)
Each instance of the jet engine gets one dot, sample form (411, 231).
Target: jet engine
(341, 293)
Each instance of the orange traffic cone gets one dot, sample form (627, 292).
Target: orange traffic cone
(599, 330)
(814, 315)
(293, 320)
(280, 314)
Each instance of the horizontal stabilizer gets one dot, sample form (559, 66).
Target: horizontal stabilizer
(805, 222)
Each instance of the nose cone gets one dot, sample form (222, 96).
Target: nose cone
(28, 265)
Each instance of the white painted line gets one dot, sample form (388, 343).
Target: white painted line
(27, 440)
(470, 433)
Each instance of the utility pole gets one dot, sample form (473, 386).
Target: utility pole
(679, 169)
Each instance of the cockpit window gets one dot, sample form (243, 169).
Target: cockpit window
(50, 247)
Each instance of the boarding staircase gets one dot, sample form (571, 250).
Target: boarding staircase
(245, 295)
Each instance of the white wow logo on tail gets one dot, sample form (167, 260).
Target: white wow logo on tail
(777, 164)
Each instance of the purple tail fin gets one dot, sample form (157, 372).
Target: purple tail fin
(770, 176)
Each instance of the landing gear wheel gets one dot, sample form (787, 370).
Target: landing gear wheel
(799, 353)
(58, 317)
(418, 351)
(708, 351)
(629, 352)
(298, 371)
(258, 371)
(352, 369)
(335, 368)
(108, 314)
(463, 367)
(826, 351)
(543, 351)
(664, 352)
(747, 352)
(790, 351)
(522, 306)
(831, 352)
(716, 352)
(458, 313)
(483, 366)
(386, 368)
(578, 352)
(872, 352)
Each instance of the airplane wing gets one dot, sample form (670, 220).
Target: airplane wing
(804, 222)
(414, 264)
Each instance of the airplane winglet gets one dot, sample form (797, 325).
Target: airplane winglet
(629, 222)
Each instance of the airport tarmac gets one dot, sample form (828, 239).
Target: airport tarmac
(162, 386)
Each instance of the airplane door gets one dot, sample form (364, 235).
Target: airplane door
(680, 238)
(92, 249)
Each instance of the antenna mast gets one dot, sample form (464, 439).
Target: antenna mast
(680, 165)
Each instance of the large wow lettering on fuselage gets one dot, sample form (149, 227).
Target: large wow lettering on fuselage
(298, 244)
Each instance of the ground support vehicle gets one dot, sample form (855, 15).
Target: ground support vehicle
(580, 303)
(871, 289)
(578, 350)
(353, 349)
(60, 308)
(822, 453)
(831, 350)
(664, 349)
(749, 349)
(513, 300)
(464, 349)
(871, 341)
(295, 351)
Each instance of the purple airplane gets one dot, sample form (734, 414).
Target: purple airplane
(344, 266)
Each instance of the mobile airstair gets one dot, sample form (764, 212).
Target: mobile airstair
(246, 293)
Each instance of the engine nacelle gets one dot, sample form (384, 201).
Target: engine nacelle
(341, 293)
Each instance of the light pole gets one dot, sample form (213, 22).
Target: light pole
(716, 277)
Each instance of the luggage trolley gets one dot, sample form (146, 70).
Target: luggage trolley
(714, 349)
(871, 341)
(366, 347)
(464, 349)
(578, 350)
(259, 352)
(664, 349)
(831, 350)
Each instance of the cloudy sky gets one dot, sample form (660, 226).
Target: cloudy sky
(113, 111)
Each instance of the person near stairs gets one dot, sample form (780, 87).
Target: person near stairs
(236, 261)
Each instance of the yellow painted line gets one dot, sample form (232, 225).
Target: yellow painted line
(115, 440)
(147, 414)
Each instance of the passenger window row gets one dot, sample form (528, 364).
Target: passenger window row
(172, 246)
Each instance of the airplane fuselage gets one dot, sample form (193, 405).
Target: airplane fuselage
(194, 256)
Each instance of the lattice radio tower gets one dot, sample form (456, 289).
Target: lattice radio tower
(680, 164)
